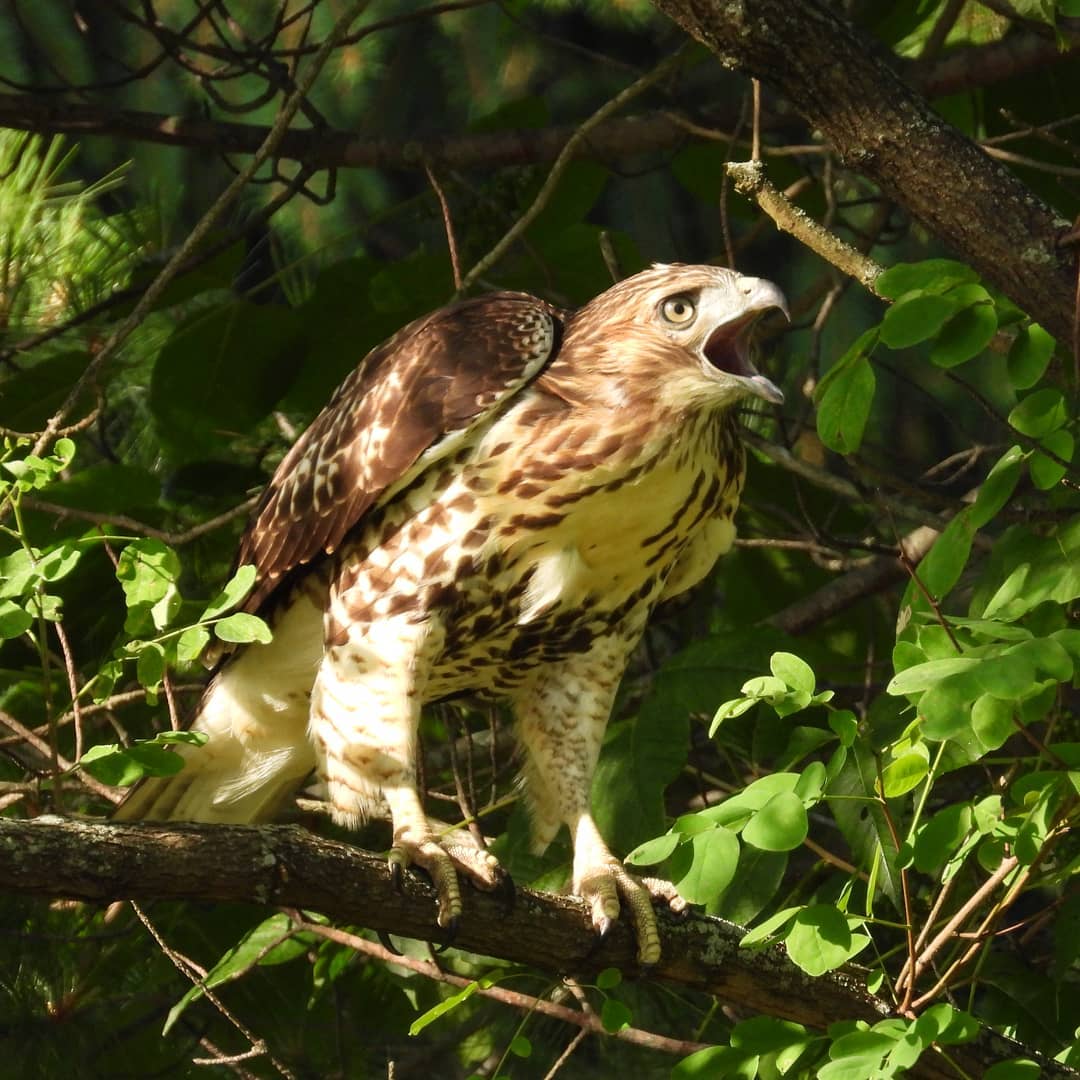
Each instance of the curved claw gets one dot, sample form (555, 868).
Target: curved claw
(507, 890)
(387, 943)
(396, 879)
(450, 930)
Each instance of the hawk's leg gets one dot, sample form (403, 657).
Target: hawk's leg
(562, 712)
(365, 707)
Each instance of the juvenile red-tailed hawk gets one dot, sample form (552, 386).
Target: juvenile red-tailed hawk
(492, 503)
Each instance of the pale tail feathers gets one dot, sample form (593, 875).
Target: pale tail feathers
(252, 788)
(255, 714)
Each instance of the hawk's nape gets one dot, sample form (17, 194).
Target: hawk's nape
(491, 504)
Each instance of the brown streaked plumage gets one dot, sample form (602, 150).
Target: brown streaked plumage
(493, 503)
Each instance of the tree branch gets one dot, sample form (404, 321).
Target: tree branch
(845, 86)
(615, 139)
(286, 866)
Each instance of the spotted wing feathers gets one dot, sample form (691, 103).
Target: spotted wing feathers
(410, 402)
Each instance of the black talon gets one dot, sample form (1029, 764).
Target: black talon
(451, 933)
(395, 876)
(507, 892)
(387, 944)
(597, 941)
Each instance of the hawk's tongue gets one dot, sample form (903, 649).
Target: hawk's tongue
(728, 350)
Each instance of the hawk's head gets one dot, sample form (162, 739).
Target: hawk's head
(683, 331)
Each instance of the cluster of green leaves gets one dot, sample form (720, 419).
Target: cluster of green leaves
(848, 1051)
(984, 656)
(159, 630)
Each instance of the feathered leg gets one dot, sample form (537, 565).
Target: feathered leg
(562, 713)
(364, 716)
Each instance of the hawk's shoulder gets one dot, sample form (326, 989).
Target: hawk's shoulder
(411, 401)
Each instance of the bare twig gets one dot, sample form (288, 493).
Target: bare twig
(749, 177)
(588, 1022)
(448, 224)
(197, 976)
(662, 70)
(203, 228)
(174, 539)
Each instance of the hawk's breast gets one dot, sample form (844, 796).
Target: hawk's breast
(521, 553)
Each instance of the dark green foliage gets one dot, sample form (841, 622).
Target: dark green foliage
(824, 786)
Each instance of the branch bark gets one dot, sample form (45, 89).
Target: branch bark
(288, 866)
(843, 84)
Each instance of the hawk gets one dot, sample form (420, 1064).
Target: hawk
(492, 504)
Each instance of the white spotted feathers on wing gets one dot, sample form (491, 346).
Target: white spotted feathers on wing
(412, 401)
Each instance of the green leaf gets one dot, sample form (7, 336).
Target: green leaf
(1039, 413)
(704, 867)
(941, 837)
(1046, 472)
(520, 1046)
(653, 851)
(760, 875)
(793, 670)
(932, 275)
(844, 399)
(122, 766)
(923, 676)
(31, 396)
(996, 490)
(445, 1006)
(190, 644)
(243, 628)
(780, 825)
(1028, 356)
(714, 1062)
(221, 372)
(915, 317)
(614, 1015)
(1008, 675)
(267, 944)
(819, 940)
(767, 1035)
(147, 570)
(608, 979)
(59, 561)
(765, 930)
(945, 561)
(992, 721)
(1018, 1069)
(150, 665)
(905, 772)
(234, 592)
(966, 334)
(14, 620)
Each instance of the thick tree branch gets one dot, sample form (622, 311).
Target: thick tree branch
(844, 84)
(288, 866)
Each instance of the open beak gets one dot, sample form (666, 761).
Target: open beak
(728, 346)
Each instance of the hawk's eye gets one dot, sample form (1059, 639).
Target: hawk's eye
(678, 310)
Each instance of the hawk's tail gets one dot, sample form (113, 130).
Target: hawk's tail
(254, 758)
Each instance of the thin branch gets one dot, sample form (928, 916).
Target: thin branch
(662, 70)
(174, 539)
(197, 977)
(203, 228)
(749, 177)
(588, 1022)
(448, 224)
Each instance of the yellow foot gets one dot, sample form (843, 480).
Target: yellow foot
(442, 858)
(602, 886)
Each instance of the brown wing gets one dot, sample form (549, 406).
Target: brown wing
(411, 401)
